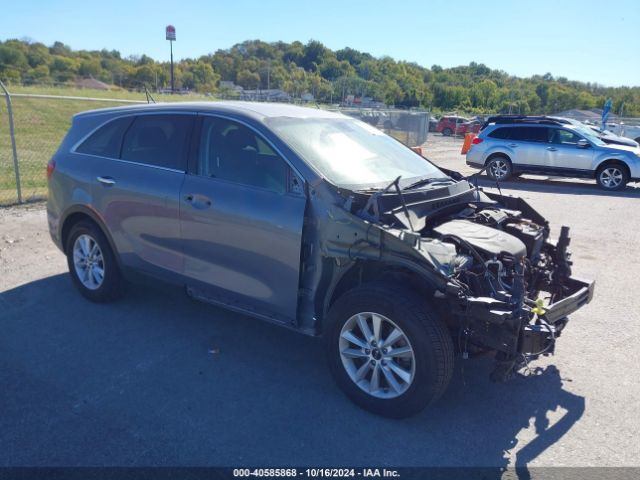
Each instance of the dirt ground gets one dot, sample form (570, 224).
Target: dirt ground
(158, 379)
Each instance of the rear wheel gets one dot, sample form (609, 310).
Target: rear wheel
(447, 132)
(387, 350)
(92, 264)
(499, 169)
(612, 176)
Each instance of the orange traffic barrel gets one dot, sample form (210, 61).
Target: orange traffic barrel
(468, 138)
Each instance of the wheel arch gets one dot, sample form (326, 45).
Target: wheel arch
(369, 271)
(611, 161)
(80, 213)
(493, 155)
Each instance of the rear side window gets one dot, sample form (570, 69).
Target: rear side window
(530, 134)
(501, 133)
(158, 140)
(106, 141)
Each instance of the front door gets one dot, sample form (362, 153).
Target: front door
(241, 215)
(564, 154)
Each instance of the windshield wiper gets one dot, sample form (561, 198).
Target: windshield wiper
(372, 207)
(426, 181)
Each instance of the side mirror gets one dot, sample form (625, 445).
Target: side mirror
(582, 143)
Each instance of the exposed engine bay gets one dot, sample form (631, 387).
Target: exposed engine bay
(507, 288)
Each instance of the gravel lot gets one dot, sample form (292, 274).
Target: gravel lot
(158, 379)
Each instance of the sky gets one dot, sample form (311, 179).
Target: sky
(591, 41)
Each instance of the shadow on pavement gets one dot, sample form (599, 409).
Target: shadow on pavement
(556, 186)
(158, 379)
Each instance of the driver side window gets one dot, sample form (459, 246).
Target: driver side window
(564, 137)
(233, 152)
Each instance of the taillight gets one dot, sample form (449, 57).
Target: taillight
(418, 150)
(51, 166)
(476, 141)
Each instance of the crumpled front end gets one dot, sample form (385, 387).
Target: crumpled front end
(484, 260)
(510, 288)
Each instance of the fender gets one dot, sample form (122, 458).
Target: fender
(97, 219)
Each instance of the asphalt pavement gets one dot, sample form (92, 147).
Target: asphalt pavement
(159, 379)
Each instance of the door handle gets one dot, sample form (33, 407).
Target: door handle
(513, 145)
(552, 149)
(197, 201)
(108, 181)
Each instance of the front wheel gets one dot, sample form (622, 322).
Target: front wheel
(387, 350)
(612, 177)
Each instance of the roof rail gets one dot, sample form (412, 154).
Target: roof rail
(532, 119)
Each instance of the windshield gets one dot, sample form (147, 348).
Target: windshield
(351, 154)
(590, 135)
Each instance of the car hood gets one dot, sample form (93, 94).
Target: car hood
(618, 139)
(616, 148)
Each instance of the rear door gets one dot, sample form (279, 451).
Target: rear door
(563, 152)
(137, 194)
(529, 145)
(241, 214)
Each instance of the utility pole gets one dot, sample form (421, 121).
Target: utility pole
(171, 36)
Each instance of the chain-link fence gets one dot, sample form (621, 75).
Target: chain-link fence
(41, 121)
(39, 124)
(411, 127)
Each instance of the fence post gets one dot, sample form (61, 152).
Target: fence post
(12, 133)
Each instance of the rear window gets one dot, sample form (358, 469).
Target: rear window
(158, 140)
(530, 134)
(501, 133)
(106, 141)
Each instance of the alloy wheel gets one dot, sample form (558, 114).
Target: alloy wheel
(611, 177)
(88, 262)
(377, 355)
(499, 169)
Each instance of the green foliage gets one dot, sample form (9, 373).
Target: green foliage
(330, 76)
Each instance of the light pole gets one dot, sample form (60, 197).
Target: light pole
(171, 36)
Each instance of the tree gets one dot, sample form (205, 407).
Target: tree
(312, 67)
(247, 79)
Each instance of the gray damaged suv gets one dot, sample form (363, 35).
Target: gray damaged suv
(509, 146)
(320, 223)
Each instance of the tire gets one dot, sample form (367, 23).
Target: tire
(499, 169)
(447, 132)
(87, 244)
(425, 350)
(612, 176)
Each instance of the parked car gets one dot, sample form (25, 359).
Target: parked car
(605, 135)
(448, 124)
(433, 123)
(510, 146)
(317, 222)
(611, 138)
(472, 126)
(626, 131)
